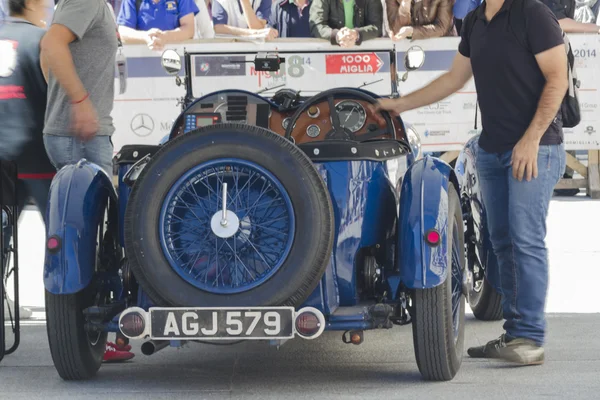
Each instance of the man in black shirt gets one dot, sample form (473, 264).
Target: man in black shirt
(520, 157)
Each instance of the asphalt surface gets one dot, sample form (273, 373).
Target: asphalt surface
(382, 367)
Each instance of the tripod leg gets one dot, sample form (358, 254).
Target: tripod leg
(15, 271)
(2, 295)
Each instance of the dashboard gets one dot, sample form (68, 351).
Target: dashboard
(312, 125)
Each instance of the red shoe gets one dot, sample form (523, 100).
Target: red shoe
(126, 347)
(112, 355)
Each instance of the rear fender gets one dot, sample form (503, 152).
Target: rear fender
(424, 206)
(78, 199)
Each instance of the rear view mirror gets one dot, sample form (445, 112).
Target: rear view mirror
(414, 58)
(171, 62)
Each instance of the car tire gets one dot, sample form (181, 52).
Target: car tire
(437, 342)
(298, 273)
(487, 303)
(76, 355)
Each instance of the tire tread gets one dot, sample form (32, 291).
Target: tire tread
(67, 351)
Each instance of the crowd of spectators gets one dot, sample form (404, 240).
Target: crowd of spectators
(157, 23)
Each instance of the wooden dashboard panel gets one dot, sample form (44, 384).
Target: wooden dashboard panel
(323, 121)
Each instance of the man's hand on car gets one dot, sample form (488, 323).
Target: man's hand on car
(84, 120)
(393, 106)
(346, 37)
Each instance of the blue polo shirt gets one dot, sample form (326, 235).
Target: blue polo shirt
(163, 14)
(220, 16)
(289, 20)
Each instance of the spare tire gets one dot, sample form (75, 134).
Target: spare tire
(278, 236)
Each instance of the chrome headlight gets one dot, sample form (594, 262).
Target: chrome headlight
(415, 142)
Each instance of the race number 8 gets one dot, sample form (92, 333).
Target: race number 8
(295, 69)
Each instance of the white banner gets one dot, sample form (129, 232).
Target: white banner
(145, 113)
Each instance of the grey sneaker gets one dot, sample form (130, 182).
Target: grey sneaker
(518, 350)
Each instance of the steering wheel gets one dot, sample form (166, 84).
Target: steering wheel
(338, 132)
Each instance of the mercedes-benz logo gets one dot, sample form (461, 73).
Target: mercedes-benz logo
(142, 125)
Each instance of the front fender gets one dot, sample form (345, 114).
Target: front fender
(77, 201)
(424, 206)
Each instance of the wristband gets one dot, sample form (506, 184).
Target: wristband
(82, 100)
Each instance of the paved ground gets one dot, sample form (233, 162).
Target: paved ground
(383, 366)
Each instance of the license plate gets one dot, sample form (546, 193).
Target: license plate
(222, 323)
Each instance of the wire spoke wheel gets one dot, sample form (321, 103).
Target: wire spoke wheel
(253, 234)
(229, 215)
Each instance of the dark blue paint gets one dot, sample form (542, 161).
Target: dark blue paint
(364, 205)
(77, 201)
(423, 206)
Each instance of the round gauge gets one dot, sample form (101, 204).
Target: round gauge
(314, 112)
(285, 123)
(352, 115)
(313, 131)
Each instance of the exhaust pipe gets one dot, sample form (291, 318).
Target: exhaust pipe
(154, 346)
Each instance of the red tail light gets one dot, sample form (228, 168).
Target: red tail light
(433, 237)
(53, 244)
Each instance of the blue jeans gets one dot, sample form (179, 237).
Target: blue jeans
(516, 216)
(63, 150)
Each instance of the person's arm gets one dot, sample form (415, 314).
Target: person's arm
(251, 18)
(133, 36)
(71, 21)
(233, 30)
(373, 21)
(319, 21)
(440, 26)
(187, 10)
(57, 55)
(547, 44)
(553, 64)
(450, 82)
(571, 26)
(184, 32)
(127, 22)
(392, 8)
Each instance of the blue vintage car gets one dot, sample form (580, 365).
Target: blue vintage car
(266, 219)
